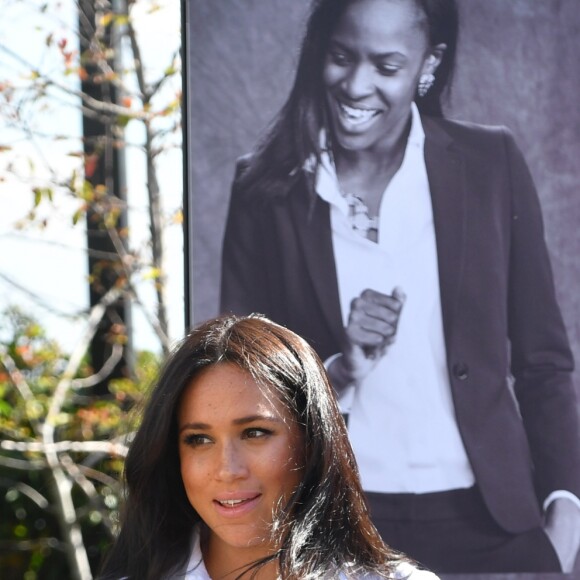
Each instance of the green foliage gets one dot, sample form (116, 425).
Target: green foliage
(31, 542)
(52, 427)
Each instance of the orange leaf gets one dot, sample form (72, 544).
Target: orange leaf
(91, 164)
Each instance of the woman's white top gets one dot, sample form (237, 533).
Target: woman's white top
(405, 402)
(196, 569)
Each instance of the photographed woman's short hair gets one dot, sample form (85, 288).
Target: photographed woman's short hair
(294, 135)
(324, 527)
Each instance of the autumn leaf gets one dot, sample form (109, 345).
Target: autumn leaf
(106, 19)
(152, 274)
(91, 164)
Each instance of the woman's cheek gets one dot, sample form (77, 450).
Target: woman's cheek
(331, 75)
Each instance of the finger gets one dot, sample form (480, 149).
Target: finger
(385, 309)
(363, 337)
(392, 302)
(370, 314)
(373, 319)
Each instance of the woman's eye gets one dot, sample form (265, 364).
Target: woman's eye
(339, 58)
(256, 433)
(387, 69)
(196, 439)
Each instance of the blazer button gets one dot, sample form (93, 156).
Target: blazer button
(460, 371)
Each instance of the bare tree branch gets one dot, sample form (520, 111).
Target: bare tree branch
(29, 545)
(62, 486)
(22, 464)
(15, 375)
(26, 490)
(94, 105)
(108, 447)
(96, 378)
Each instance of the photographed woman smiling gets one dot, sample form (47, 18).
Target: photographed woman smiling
(241, 468)
(409, 250)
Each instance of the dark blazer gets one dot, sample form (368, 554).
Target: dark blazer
(508, 355)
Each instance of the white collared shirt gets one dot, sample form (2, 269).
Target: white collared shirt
(196, 569)
(402, 422)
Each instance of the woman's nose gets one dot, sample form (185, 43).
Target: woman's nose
(231, 463)
(359, 82)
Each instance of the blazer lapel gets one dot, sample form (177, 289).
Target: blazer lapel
(446, 172)
(312, 225)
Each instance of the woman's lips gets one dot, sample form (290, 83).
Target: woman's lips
(236, 506)
(356, 117)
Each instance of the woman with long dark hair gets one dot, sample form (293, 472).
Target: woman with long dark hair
(241, 468)
(409, 250)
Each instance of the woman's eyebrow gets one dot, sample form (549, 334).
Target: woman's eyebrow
(338, 45)
(241, 421)
(197, 426)
(376, 55)
(257, 417)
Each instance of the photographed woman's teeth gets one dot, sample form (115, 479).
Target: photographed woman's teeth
(357, 115)
(231, 502)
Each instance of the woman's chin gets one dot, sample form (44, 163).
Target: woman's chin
(350, 142)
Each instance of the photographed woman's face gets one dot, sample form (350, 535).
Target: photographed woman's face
(375, 58)
(241, 455)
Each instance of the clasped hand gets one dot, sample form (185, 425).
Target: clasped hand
(372, 328)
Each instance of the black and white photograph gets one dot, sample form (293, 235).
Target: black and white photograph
(396, 181)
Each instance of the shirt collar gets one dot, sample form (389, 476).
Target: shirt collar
(417, 133)
(196, 569)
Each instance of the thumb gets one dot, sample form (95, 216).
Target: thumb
(399, 294)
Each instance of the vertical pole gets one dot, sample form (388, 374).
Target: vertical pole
(105, 170)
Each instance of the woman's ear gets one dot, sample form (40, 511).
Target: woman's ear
(434, 59)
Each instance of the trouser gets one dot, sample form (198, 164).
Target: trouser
(453, 532)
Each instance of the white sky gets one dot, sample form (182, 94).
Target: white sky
(49, 266)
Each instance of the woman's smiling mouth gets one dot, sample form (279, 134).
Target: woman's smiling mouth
(357, 115)
(234, 502)
(236, 506)
(354, 117)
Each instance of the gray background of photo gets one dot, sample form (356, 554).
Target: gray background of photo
(518, 65)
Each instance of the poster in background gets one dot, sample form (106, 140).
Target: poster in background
(517, 66)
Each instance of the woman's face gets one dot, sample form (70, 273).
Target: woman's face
(375, 58)
(241, 454)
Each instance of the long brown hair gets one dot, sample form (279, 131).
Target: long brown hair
(324, 528)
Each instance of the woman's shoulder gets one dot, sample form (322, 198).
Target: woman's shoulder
(243, 194)
(243, 163)
(404, 571)
(253, 187)
(477, 139)
(462, 126)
